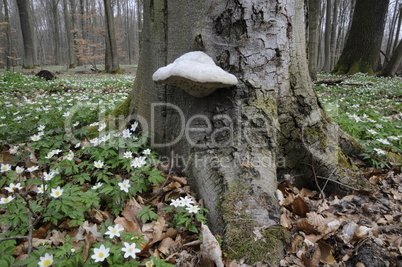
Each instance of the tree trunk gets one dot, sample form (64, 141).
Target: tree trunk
(69, 35)
(56, 32)
(83, 19)
(362, 48)
(334, 26)
(234, 143)
(391, 30)
(111, 56)
(8, 36)
(328, 28)
(395, 61)
(313, 36)
(139, 15)
(74, 23)
(28, 34)
(398, 28)
(343, 25)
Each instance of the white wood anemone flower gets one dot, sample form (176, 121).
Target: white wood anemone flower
(100, 254)
(46, 260)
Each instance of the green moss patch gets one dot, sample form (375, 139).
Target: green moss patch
(244, 238)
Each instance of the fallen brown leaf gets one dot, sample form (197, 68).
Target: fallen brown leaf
(305, 226)
(158, 228)
(129, 226)
(304, 192)
(131, 210)
(89, 240)
(210, 248)
(296, 243)
(326, 253)
(97, 215)
(182, 180)
(300, 207)
(57, 237)
(284, 221)
(165, 245)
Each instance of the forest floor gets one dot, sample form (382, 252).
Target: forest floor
(69, 181)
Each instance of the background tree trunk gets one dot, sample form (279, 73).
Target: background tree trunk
(111, 55)
(313, 36)
(328, 28)
(334, 26)
(391, 30)
(8, 36)
(398, 28)
(234, 143)
(56, 30)
(69, 36)
(362, 48)
(395, 61)
(28, 36)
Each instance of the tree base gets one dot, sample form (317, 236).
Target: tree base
(355, 67)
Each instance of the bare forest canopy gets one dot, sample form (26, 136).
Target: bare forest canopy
(85, 20)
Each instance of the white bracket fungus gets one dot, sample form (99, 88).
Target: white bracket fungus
(196, 73)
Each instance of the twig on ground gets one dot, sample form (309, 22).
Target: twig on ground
(340, 183)
(322, 194)
(329, 178)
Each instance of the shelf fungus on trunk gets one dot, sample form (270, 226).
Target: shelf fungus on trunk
(196, 73)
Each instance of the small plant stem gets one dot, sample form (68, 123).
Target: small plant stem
(30, 231)
(28, 206)
(33, 219)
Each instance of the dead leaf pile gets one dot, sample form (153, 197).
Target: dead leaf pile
(360, 229)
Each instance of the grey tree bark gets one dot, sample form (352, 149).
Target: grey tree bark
(328, 30)
(56, 32)
(395, 61)
(334, 26)
(139, 14)
(313, 36)
(8, 36)
(398, 28)
(391, 29)
(111, 56)
(69, 35)
(235, 143)
(28, 34)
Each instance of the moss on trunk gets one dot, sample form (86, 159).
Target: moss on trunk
(350, 68)
(244, 238)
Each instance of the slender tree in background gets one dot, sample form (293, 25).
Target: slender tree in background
(235, 143)
(328, 28)
(395, 61)
(54, 4)
(362, 48)
(313, 35)
(334, 25)
(398, 27)
(393, 42)
(8, 36)
(111, 56)
(69, 36)
(28, 34)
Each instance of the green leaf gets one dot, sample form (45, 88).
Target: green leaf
(147, 214)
